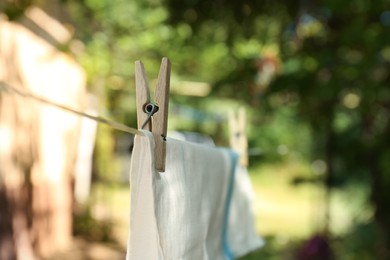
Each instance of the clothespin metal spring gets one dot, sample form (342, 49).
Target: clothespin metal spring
(149, 109)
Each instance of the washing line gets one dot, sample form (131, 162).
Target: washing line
(118, 126)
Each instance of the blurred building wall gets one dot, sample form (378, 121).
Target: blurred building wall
(38, 143)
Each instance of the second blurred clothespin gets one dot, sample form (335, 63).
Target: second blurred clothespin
(154, 116)
(238, 138)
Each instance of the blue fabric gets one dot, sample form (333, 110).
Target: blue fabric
(226, 248)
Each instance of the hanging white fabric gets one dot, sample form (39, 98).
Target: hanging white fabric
(183, 213)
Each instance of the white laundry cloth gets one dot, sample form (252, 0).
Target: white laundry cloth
(183, 213)
(242, 236)
(192, 137)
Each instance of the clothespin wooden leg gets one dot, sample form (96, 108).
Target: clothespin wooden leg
(160, 120)
(243, 137)
(238, 138)
(142, 95)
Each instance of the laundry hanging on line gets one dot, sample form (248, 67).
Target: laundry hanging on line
(226, 246)
(191, 210)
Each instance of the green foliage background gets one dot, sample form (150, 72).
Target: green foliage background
(327, 101)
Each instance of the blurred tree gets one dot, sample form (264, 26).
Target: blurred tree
(342, 79)
(335, 58)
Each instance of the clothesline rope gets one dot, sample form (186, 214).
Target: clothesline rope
(118, 126)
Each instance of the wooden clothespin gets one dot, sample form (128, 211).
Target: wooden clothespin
(238, 138)
(154, 116)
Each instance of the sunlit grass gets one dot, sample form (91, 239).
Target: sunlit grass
(282, 209)
(112, 203)
(292, 211)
